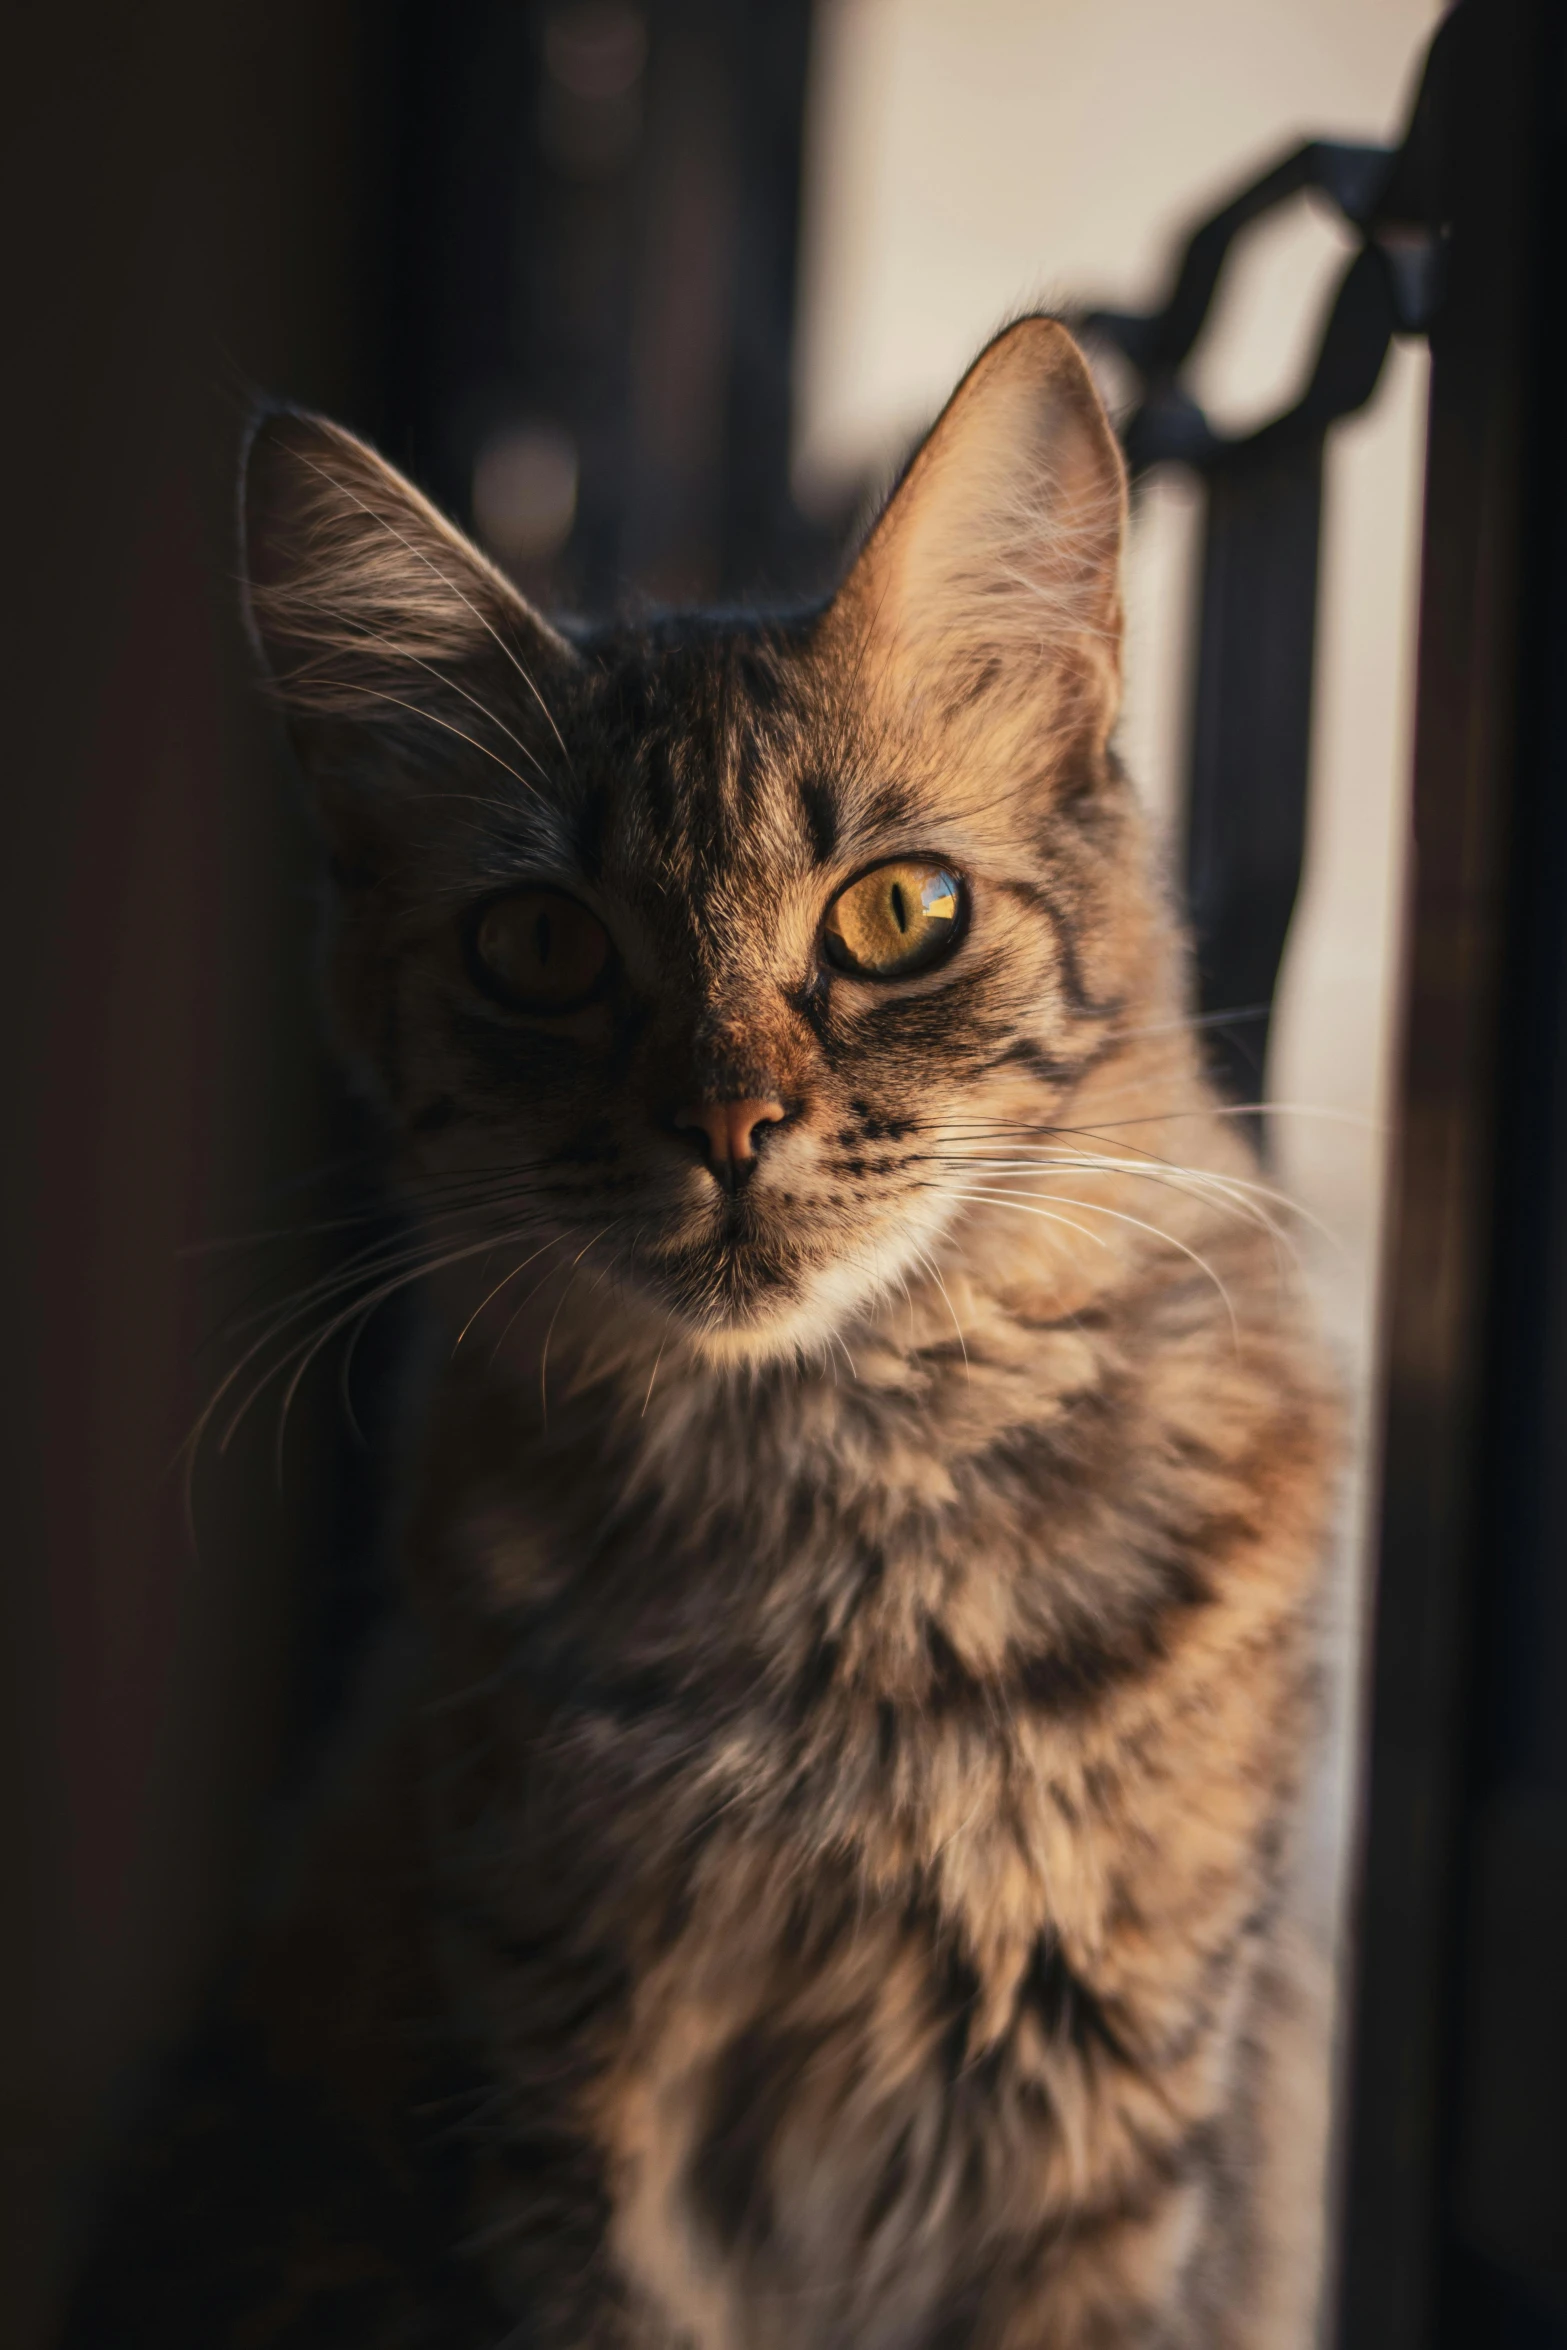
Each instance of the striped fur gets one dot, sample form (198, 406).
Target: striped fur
(826, 1881)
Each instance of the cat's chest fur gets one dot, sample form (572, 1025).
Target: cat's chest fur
(808, 1798)
(864, 1631)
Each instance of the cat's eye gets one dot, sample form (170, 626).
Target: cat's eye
(539, 951)
(895, 920)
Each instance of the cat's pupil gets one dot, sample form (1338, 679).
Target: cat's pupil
(899, 910)
(541, 938)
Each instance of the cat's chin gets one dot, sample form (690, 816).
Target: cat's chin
(763, 1301)
(742, 1345)
(751, 1333)
(759, 1296)
(754, 1341)
(748, 1332)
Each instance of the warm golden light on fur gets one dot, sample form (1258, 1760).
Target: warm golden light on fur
(838, 1831)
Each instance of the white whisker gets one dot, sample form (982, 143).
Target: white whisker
(1023, 1205)
(377, 694)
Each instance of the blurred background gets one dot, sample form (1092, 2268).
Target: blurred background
(652, 295)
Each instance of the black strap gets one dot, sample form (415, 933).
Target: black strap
(1248, 759)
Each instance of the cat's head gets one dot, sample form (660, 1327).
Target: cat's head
(707, 953)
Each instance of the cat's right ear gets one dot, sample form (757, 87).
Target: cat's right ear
(409, 669)
(990, 586)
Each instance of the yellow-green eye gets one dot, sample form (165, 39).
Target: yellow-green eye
(894, 921)
(539, 951)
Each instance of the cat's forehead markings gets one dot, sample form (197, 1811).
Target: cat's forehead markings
(589, 826)
(522, 834)
(715, 768)
(819, 803)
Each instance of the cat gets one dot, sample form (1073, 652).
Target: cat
(821, 1881)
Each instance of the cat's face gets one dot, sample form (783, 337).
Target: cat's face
(703, 955)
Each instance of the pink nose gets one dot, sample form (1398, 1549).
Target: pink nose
(728, 1130)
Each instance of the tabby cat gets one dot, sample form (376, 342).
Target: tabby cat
(821, 1878)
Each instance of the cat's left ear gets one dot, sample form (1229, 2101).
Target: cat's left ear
(410, 670)
(993, 574)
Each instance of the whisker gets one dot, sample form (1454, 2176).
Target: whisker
(400, 654)
(503, 1283)
(377, 693)
(365, 1307)
(1242, 1012)
(653, 1374)
(1234, 1193)
(1019, 1205)
(1205, 1109)
(1097, 1238)
(411, 1264)
(1244, 1193)
(378, 1257)
(923, 1258)
(544, 1358)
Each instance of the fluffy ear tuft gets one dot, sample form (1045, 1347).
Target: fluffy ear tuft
(397, 651)
(995, 566)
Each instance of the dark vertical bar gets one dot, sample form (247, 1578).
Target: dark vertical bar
(683, 304)
(1505, 2271)
(1251, 737)
(189, 207)
(708, 507)
(767, 543)
(1441, 1558)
